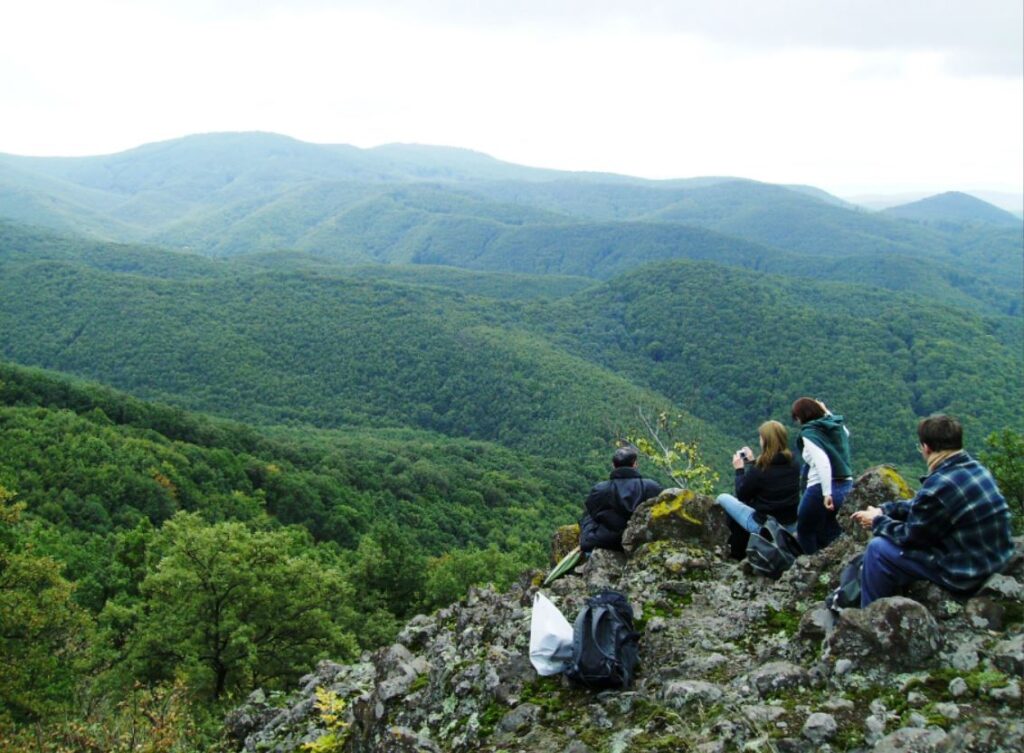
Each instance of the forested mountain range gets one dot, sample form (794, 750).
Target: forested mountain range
(231, 194)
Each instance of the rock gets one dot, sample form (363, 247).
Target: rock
(949, 710)
(1011, 692)
(941, 603)
(958, 687)
(519, 718)
(676, 515)
(1005, 586)
(876, 485)
(602, 570)
(815, 624)
(843, 666)
(779, 675)
(564, 541)
(983, 612)
(819, 727)
(894, 631)
(965, 658)
(576, 746)
(1008, 655)
(680, 693)
(912, 740)
(760, 714)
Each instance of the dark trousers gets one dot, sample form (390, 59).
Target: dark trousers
(816, 527)
(887, 570)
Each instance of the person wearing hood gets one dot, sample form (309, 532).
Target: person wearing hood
(767, 485)
(825, 447)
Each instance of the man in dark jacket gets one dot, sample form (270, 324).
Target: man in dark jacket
(955, 532)
(611, 503)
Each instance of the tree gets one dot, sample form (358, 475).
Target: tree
(43, 632)
(1004, 456)
(679, 458)
(235, 608)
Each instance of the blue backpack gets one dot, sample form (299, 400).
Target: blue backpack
(604, 647)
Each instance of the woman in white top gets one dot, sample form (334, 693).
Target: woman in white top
(825, 447)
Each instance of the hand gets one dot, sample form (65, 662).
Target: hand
(737, 461)
(866, 516)
(829, 504)
(747, 453)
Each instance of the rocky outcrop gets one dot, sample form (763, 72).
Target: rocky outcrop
(729, 661)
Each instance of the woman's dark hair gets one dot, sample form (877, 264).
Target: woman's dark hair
(806, 409)
(941, 433)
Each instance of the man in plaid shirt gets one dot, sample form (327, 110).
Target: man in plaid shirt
(955, 532)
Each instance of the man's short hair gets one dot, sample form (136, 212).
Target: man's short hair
(941, 433)
(624, 457)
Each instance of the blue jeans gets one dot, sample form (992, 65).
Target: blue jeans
(744, 515)
(887, 569)
(816, 527)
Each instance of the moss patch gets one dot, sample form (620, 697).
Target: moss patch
(675, 506)
(895, 481)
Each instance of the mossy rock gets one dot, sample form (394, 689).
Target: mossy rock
(564, 541)
(875, 486)
(676, 515)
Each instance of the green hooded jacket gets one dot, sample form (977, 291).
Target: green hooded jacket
(827, 432)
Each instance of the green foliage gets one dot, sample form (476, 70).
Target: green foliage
(233, 609)
(680, 459)
(1004, 457)
(330, 707)
(42, 631)
(451, 575)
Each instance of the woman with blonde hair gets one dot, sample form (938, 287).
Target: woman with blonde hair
(766, 485)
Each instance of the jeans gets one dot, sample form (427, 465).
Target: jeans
(816, 527)
(742, 513)
(887, 570)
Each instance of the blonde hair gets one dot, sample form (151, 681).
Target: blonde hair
(774, 440)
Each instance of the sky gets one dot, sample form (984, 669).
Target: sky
(853, 96)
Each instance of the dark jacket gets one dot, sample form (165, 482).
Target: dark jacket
(774, 491)
(609, 506)
(958, 524)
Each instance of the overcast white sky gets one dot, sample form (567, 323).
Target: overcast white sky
(854, 96)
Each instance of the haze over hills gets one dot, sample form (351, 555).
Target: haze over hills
(233, 194)
(953, 208)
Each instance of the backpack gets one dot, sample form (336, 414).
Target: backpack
(772, 550)
(848, 593)
(604, 645)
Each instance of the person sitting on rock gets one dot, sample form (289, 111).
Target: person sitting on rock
(955, 532)
(611, 503)
(768, 485)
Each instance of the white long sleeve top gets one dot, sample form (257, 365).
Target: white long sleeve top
(819, 467)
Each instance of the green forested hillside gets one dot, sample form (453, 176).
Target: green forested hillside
(736, 348)
(301, 347)
(179, 561)
(559, 376)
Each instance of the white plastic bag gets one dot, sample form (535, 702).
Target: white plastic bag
(550, 638)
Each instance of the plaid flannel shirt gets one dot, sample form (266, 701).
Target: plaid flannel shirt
(958, 523)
